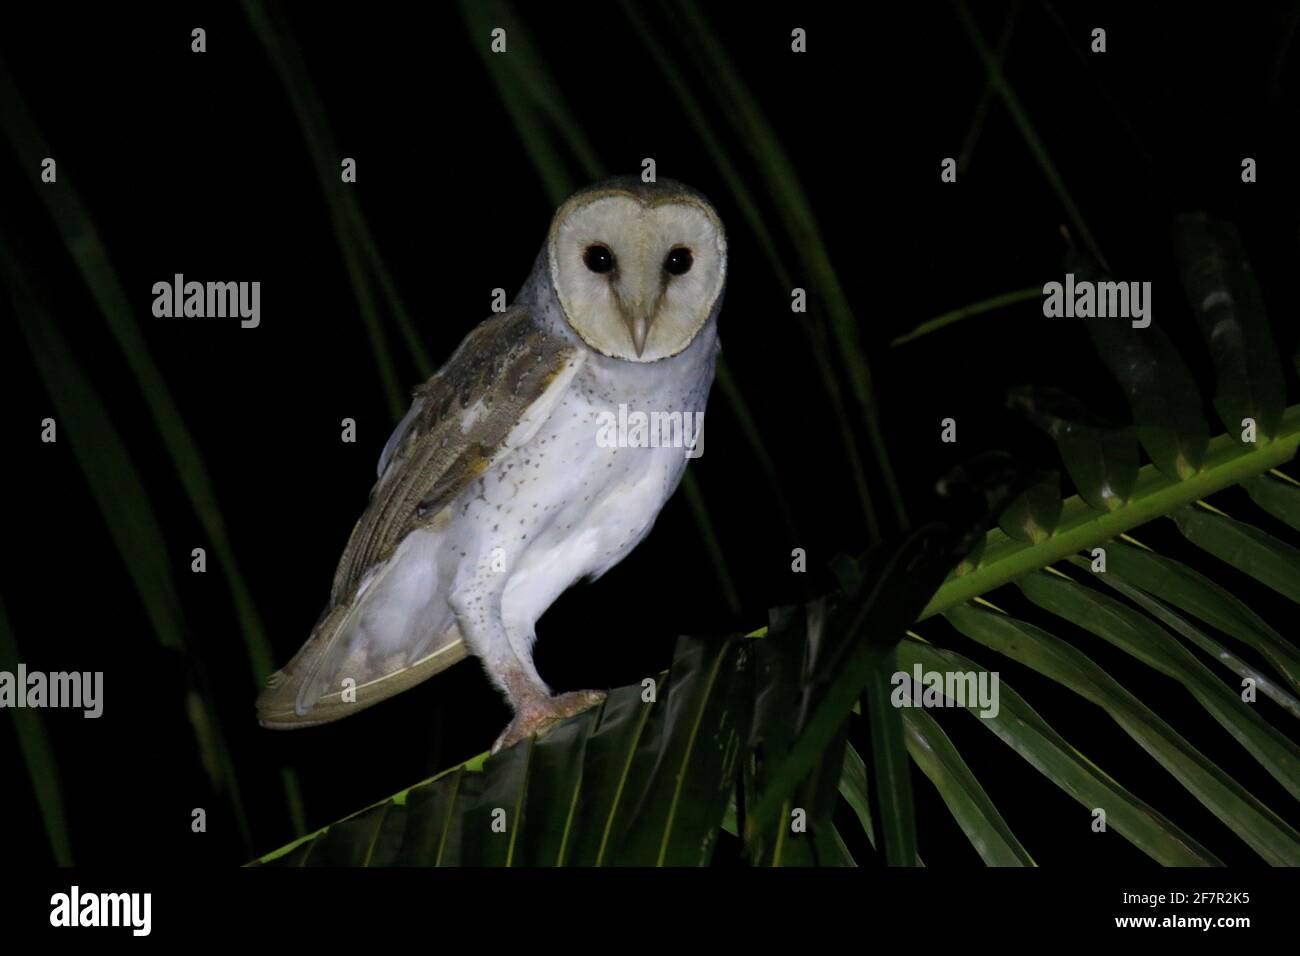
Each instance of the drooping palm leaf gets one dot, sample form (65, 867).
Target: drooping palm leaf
(1131, 631)
(1263, 829)
(1173, 582)
(970, 806)
(1021, 728)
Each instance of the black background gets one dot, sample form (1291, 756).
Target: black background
(195, 164)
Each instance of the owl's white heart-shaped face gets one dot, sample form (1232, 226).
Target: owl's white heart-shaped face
(637, 278)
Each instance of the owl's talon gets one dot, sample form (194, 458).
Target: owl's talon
(540, 717)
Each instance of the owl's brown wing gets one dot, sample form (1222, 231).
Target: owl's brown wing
(492, 394)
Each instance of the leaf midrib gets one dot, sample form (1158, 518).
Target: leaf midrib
(1083, 527)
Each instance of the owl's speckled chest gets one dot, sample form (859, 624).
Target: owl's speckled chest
(573, 500)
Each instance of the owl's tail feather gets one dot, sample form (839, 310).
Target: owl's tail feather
(395, 631)
(276, 705)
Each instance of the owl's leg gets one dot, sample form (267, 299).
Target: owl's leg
(509, 664)
(538, 716)
(478, 615)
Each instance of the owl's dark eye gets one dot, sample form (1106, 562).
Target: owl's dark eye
(598, 258)
(679, 262)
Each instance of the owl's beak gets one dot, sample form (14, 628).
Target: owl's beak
(638, 324)
(638, 302)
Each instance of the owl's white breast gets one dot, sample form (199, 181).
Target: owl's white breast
(560, 507)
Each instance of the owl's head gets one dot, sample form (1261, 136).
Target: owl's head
(638, 267)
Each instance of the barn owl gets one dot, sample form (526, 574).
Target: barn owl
(495, 492)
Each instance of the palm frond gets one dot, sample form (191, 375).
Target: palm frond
(1090, 534)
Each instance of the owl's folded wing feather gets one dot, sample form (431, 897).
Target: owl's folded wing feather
(493, 393)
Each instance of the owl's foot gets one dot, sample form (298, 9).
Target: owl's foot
(539, 715)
